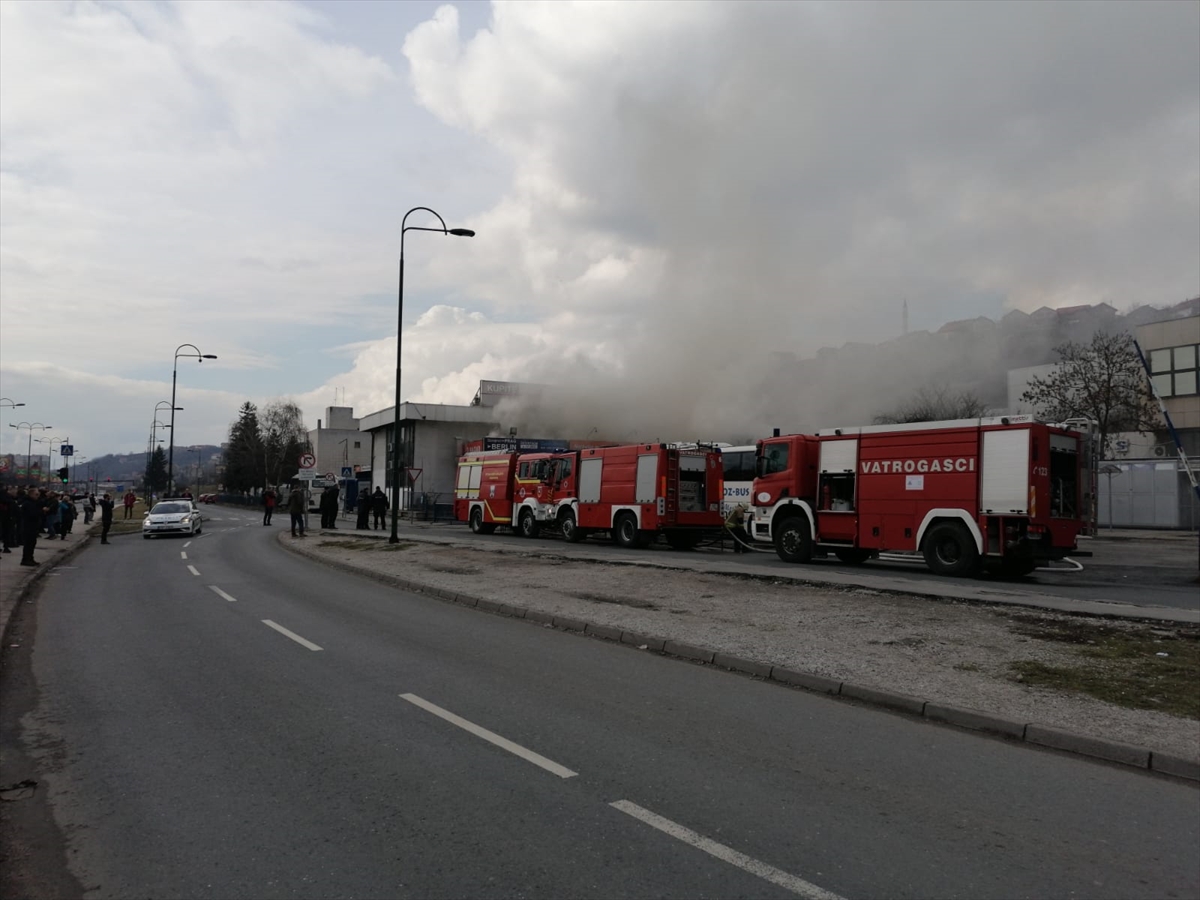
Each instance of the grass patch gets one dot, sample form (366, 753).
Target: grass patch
(1120, 665)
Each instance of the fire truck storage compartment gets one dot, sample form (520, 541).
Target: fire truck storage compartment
(1004, 481)
(589, 479)
(692, 474)
(647, 476)
(839, 461)
(1064, 476)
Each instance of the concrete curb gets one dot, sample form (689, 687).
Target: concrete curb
(967, 719)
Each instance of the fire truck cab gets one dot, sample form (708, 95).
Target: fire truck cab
(1003, 491)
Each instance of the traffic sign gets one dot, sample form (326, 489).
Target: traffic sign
(308, 461)
(347, 472)
(413, 475)
(331, 478)
(67, 449)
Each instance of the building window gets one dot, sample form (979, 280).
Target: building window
(357, 445)
(1173, 370)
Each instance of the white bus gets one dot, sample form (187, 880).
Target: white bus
(738, 463)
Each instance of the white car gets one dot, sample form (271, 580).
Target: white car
(172, 517)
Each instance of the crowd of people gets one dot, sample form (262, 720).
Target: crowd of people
(370, 507)
(27, 514)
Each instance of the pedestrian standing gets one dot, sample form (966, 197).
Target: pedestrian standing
(66, 515)
(379, 506)
(33, 515)
(10, 513)
(268, 500)
(106, 516)
(89, 508)
(329, 507)
(296, 509)
(130, 499)
(364, 511)
(53, 515)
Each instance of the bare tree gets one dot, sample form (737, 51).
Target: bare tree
(1102, 381)
(283, 438)
(935, 404)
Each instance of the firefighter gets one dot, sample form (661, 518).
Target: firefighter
(736, 523)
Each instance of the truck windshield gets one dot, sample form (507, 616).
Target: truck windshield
(774, 459)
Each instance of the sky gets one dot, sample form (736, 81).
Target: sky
(666, 196)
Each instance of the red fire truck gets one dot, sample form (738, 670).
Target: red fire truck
(635, 492)
(1006, 492)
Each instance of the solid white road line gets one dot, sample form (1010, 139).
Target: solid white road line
(796, 885)
(192, 569)
(503, 743)
(183, 554)
(221, 593)
(295, 637)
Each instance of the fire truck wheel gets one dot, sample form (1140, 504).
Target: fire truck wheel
(949, 550)
(527, 525)
(478, 526)
(625, 531)
(569, 527)
(793, 541)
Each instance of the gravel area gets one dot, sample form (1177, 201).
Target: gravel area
(951, 652)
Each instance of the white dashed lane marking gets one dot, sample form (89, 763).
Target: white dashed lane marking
(182, 554)
(769, 873)
(491, 737)
(193, 570)
(221, 593)
(295, 637)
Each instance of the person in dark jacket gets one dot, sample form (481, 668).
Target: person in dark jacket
(268, 501)
(52, 515)
(380, 506)
(10, 514)
(33, 517)
(66, 515)
(364, 511)
(106, 516)
(296, 510)
(329, 507)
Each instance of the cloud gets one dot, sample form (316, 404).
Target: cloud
(767, 177)
(671, 199)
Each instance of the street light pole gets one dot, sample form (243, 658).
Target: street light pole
(51, 441)
(29, 443)
(457, 232)
(200, 357)
(154, 441)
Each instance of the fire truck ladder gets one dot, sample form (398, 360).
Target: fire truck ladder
(1183, 459)
(672, 492)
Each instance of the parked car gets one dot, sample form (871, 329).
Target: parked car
(172, 517)
(208, 498)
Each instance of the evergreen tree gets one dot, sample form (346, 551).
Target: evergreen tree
(156, 471)
(243, 451)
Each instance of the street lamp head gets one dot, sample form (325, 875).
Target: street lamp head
(208, 356)
(461, 232)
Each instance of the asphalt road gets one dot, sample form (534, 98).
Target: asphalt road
(245, 723)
